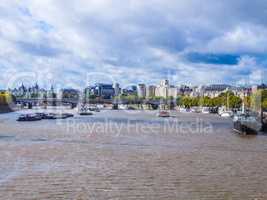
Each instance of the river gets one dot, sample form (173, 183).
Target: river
(130, 155)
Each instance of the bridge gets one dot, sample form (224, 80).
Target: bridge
(75, 102)
(48, 101)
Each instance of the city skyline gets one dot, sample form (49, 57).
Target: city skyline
(187, 42)
(163, 89)
(117, 84)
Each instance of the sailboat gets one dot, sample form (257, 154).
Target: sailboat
(225, 111)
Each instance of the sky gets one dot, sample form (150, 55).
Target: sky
(76, 43)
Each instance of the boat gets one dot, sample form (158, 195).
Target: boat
(63, 115)
(60, 115)
(49, 116)
(123, 107)
(85, 112)
(41, 115)
(94, 109)
(195, 110)
(163, 114)
(29, 118)
(247, 124)
(184, 110)
(206, 110)
(264, 122)
(68, 115)
(115, 107)
(264, 125)
(227, 114)
(213, 110)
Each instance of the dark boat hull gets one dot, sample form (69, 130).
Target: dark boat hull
(243, 129)
(28, 119)
(86, 114)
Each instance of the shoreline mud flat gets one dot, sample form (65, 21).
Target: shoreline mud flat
(138, 157)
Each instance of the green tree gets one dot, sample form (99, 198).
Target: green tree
(235, 102)
(264, 104)
(92, 97)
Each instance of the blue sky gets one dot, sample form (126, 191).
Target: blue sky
(73, 43)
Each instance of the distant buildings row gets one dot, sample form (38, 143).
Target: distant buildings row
(107, 91)
(32, 92)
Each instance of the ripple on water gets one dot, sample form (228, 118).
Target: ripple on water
(6, 137)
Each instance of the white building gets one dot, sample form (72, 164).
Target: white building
(162, 89)
(165, 90)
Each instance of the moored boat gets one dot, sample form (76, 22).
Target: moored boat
(246, 124)
(54, 115)
(205, 110)
(85, 112)
(226, 114)
(29, 118)
(163, 114)
(94, 109)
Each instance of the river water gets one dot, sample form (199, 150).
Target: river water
(130, 155)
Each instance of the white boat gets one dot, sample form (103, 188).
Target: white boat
(85, 111)
(122, 107)
(227, 114)
(196, 110)
(100, 106)
(205, 110)
(184, 110)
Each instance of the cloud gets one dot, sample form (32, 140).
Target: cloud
(188, 41)
(242, 39)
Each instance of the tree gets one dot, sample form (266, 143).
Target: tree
(226, 99)
(189, 101)
(264, 95)
(247, 101)
(205, 101)
(235, 102)
(264, 104)
(229, 99)
(217, 102)
(264, 99)
(6, 98)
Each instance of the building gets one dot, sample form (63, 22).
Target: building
(130, 90)
(102, 90)
(214, 90)
(173, 92)
(29, 92)
(242, 92)
(69, 94)
(141, 90)
(117, 89)
(164, 83)
(20, 91)
(185, 90)
(166, 90)
(162, 89)
(255, 88)
(151, 91)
